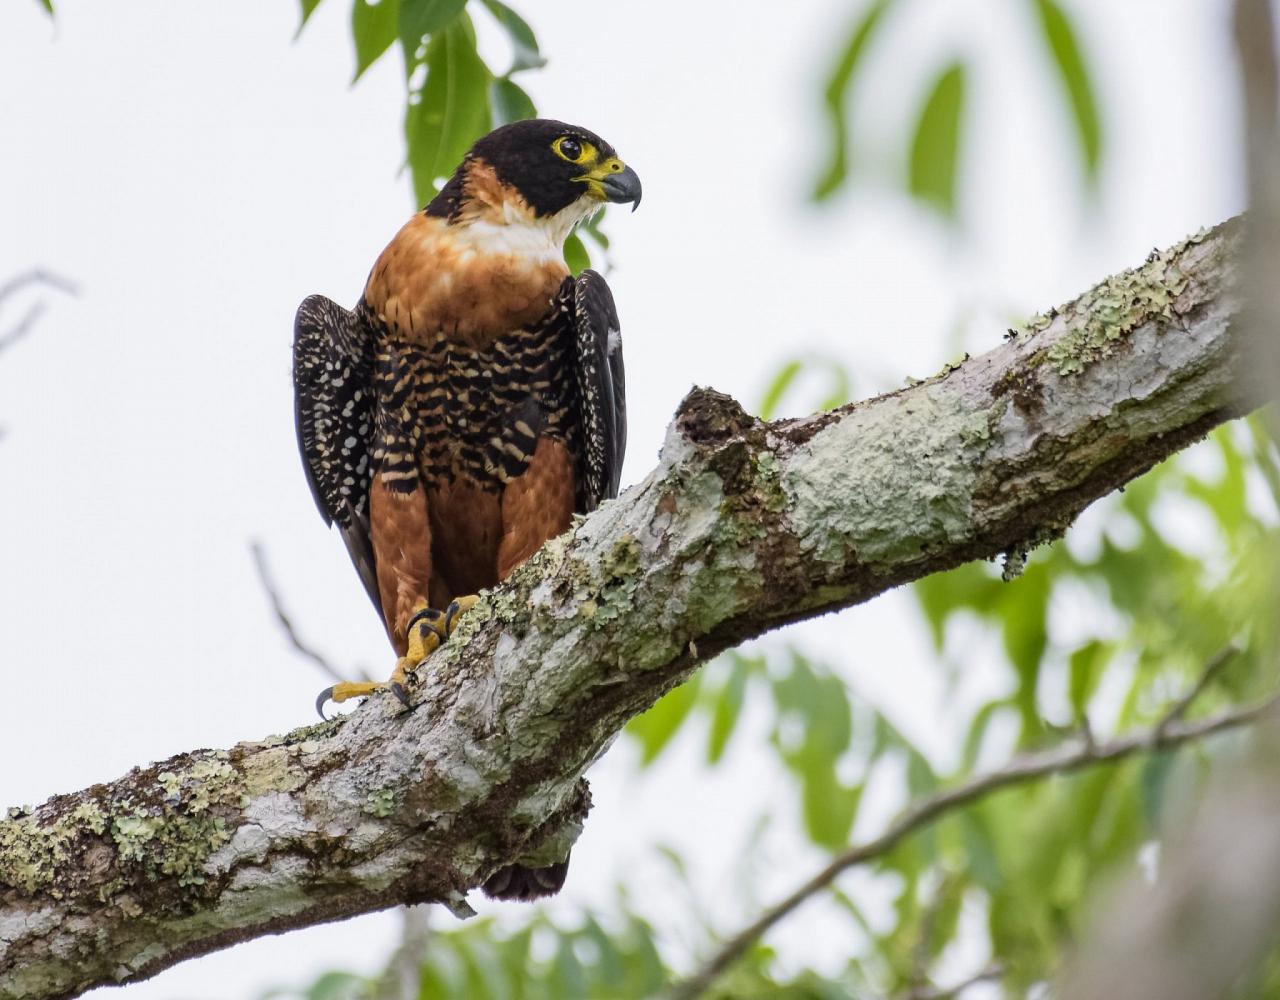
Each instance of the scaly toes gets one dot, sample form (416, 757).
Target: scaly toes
(456, 610)
(400, 677)
(341, 692)
(426, 619)
(427, 629)
(425, 635)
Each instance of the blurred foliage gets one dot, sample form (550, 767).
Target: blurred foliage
(934, 156)
(789, 380)
(540, 959)
(935, 148)
(613, 958)
(452, 96)
(1073, 73)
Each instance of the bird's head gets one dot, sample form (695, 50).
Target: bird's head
(539, 171)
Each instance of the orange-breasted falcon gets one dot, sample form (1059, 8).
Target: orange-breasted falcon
(473, 400)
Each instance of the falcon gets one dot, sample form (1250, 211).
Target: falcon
(473, 400)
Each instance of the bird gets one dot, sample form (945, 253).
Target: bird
(473, 401)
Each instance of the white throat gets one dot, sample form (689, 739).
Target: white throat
(519, 233)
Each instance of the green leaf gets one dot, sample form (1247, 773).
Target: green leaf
(978, 730)
(1086, 665)
(567, 974)
(935, 149)
(1064, 46)
(1152, 782)
(778, 388)
(373, 26)
(608, 965)
(308, 8)
(591, 228)
(829, 807)
(575, 255)
(724, 716)
(48, 5)
(337, 986)
(452, 110)
(1024, 616)
(839, 393)
(837, 99)
(526, 54)
(420, 18)
(983, 865)
(510, 102)
(964, 588)
(655, 728)
(921, 780)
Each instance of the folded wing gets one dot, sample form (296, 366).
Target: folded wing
(602, 391)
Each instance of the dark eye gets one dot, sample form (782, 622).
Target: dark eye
(570, 149)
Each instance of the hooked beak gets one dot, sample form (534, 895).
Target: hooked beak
(623, 186)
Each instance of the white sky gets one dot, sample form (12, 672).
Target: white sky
(197, 173)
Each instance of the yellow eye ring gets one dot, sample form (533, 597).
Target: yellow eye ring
(569, 148)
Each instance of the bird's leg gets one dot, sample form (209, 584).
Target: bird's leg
(427, 629)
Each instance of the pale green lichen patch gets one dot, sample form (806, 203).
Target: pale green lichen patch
(604, 596)
(161, 823)
(271, 770)
(888, 481)
(767, 483)
(313, 732)
(31, 851)
(380, 803)
(174, 835)
(1100, 320)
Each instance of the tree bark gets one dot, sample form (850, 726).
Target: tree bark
(743, 527)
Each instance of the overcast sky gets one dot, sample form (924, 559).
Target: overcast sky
(197, 172)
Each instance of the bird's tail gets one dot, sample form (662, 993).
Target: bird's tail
(516, 882)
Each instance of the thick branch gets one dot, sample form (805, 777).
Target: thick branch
(742, 527)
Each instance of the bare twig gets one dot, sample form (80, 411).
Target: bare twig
(25, 325)
(402, 979)
(1207, 676)
(920, 959)
(286, 623)
(924, 811)
(993, 971)
(38, 276)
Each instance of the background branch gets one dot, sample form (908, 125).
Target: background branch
(989, 974)
(286, 621)
(925, 811)
(26, 324)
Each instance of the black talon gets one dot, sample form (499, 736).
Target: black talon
(401, 694)
(450, 615)
(324, 696)
(432, 618)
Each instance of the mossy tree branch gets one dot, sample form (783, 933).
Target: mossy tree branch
(742, 527)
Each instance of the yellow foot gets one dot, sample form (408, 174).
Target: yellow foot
(427, 629)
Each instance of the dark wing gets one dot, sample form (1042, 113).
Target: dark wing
(602, 390)
(333, 410)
